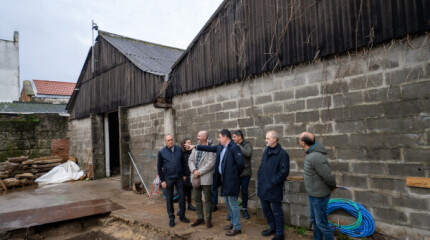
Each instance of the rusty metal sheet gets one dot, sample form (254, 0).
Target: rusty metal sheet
(34, 217)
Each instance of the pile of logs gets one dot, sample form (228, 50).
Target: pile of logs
(21, 171)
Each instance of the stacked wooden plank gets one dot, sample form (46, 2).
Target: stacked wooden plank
(21, 171)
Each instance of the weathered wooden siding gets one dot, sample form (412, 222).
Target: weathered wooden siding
(116, 82)
(247, 37)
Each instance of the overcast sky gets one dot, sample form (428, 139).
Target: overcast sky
(55, 35)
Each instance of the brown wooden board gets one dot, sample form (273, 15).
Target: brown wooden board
(418, 182)
(35, 217)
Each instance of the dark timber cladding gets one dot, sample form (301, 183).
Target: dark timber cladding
(249, 37)
(128, 72)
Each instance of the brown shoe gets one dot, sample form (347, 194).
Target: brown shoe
(198, 222)
(228, 227)
(208, 223)
(233, 232)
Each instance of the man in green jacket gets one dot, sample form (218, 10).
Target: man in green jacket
(245, 177)
(319, 183)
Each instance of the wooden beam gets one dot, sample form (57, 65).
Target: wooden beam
(2, 184)
(418, 182)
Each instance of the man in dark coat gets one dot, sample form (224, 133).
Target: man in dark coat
(171, 171)
(274, 169)
(228, 167)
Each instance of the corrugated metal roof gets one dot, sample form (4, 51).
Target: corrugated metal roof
(149, 57)
(44, 87)
(25, 107)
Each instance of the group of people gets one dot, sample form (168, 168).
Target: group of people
(204, 168)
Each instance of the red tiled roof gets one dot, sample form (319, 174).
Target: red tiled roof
(54, 88)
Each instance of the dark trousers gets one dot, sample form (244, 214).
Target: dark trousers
(215, 196)
(318, 215)
(244, 183)
(187, 194)
(274, 215)
(206, 189)
(179, 184)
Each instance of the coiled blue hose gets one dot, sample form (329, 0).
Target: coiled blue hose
(364, 226)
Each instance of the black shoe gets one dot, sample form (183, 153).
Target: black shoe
(268, 232)
(214, 208)
(191, 207)
(184, 219)
(277, 237)
(171, 222)
(245, 214)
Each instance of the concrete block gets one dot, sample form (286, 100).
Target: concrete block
(417, 155)
(382, 154)
(272, 109)
(339, 166)
(295, 129)
(334, 140)
(410, 202)
(283, 95)
(410, 74)
(234, 114)
(367, 140)
(420, 220)
(382, 95)
(407, 169)
(307, 91)
(294, 106)
(220, 116)
(292, 82)
(355, 126)
(364, 82)
(264, 120)
(263, 99)
(368, 198)
(321, 75)
(338, 86)
(348, 99)
(215, 107)
(404, 140)
(197, 103)
(383, 63)
(385, 124)
(311, 116)
(229, 105)
(366, 111)
(288, 118)
(416, 90)
(208, 99)
(342, 193)
(346, 69)
(245, 102)
(334, 114)
(320, 128)
(317, 103)
(254, 132)
(354, 181)
(389, 215)
(368, 168)
(221, 98)
(246, 122)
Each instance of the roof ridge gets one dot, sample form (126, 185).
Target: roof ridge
(53, 81)
(138, 40)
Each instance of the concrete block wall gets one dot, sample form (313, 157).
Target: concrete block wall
(371, 109)
(80, 140)
(146, 127)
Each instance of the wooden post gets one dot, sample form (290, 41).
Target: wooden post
(2, 184)
(418, 182)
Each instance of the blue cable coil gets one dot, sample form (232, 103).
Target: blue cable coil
(364, 226)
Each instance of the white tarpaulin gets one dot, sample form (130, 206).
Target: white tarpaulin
(61, 173)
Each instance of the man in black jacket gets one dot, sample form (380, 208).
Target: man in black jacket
(171, 171)
(228, 167)
(274, 169)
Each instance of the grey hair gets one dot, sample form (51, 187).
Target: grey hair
(274, 134)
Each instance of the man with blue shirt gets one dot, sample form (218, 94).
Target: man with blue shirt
(228, 167)
(171, 171)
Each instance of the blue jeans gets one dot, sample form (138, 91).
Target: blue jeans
(244, 183)
(233, 211)
(274, 216)
(318, 215)
(215, 197)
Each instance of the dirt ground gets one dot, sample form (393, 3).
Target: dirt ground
(141, 218)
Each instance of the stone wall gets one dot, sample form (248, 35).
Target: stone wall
(146, 127)
(30, 135)
(370, 109)
(80, 140)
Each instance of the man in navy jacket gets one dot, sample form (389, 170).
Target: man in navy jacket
(274, 169)
(228, 167)
(171, 171)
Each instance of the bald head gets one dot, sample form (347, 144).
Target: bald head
(169, 140)
(202, 137)
(306, 140)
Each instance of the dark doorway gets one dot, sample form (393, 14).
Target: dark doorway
(114, 143)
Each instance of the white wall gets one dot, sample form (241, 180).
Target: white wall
(9, 70)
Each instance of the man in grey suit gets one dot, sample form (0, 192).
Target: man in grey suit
(201, 166)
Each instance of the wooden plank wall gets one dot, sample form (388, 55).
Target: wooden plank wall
(249, 37)
(116, 82)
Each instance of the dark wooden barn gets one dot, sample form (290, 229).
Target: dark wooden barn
(244, 38)
(128, 72)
